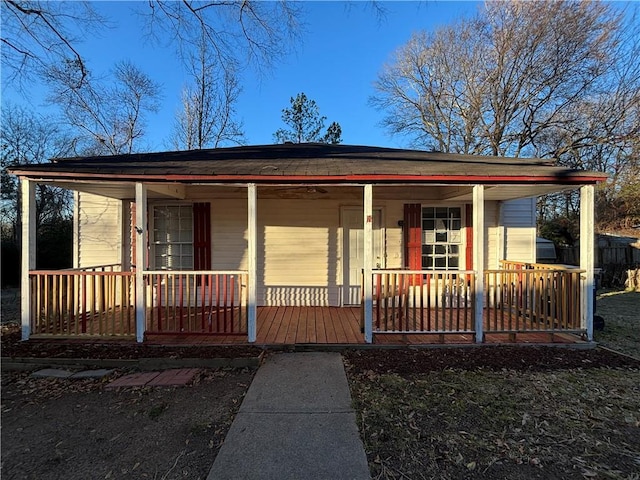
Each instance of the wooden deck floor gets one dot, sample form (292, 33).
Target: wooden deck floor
(341, 326)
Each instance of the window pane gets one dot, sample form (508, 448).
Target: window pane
(441, 237)
(173, 237)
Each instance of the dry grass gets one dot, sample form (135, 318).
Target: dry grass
(621, 312)
(481, 424)
(578, 422)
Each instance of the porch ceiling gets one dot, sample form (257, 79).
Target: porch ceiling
(178, 191)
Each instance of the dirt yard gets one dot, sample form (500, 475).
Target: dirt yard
(76, 429)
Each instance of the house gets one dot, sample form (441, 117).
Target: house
(352, 243)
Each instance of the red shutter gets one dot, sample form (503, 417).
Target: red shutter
(468, 223)
(202, 236)
(413, 236)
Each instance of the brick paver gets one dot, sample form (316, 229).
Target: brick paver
(133, 380)
(174, 377)
(180, 376)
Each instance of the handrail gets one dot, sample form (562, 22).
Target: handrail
(537, 266)
(195, 272)
(80, 272)
(93, 268)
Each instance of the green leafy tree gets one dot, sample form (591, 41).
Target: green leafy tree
(306, 124)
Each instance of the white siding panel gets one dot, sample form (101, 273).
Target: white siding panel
(229, 234)
(492, 234)
(99, 233)
(394, 212)
(298, 252)
(519, 218)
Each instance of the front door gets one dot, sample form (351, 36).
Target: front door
(353, 251)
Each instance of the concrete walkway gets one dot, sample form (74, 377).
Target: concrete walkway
(296, 422)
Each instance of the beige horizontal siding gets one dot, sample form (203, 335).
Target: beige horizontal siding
(99, 230)
(519, 218)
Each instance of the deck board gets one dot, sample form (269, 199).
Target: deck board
(287, 325)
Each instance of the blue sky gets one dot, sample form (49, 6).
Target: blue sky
(343, 48)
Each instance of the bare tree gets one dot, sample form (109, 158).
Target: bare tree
(38, 34)
(236, 32)
(492, 84)
(601, 132)
(109, 118)
(208, 115)
(549, 79)
(26, 138)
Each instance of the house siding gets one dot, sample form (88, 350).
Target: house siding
(300, 243)
(519, 220)
(98, 230)
(492, 235)
(299, 247)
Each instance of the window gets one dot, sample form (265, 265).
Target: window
(441, 237)
(173, 237)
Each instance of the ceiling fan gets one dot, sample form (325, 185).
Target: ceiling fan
(308, 189)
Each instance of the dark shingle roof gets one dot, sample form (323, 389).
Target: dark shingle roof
(294, 161)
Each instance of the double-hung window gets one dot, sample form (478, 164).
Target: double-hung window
(173, 237)
(432, 237)
(182, 236)
(441, 238)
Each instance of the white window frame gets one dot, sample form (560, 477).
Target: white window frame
(178, 263)
(430, 238)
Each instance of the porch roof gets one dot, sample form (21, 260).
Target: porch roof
(309, 163)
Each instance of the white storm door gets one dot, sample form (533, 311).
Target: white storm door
(353, 252)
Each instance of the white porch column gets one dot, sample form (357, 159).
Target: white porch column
(368, 263)
(587, 257)
(76, 229)
(252, 261)
(478, 258)
(141, 259)
(28, 259)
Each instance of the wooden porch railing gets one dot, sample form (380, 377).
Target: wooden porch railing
(423, 301)
(81, 302)
(532, 297)
(197, 302)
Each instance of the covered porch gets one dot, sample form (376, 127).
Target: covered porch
(521, 303)
(236, 241)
